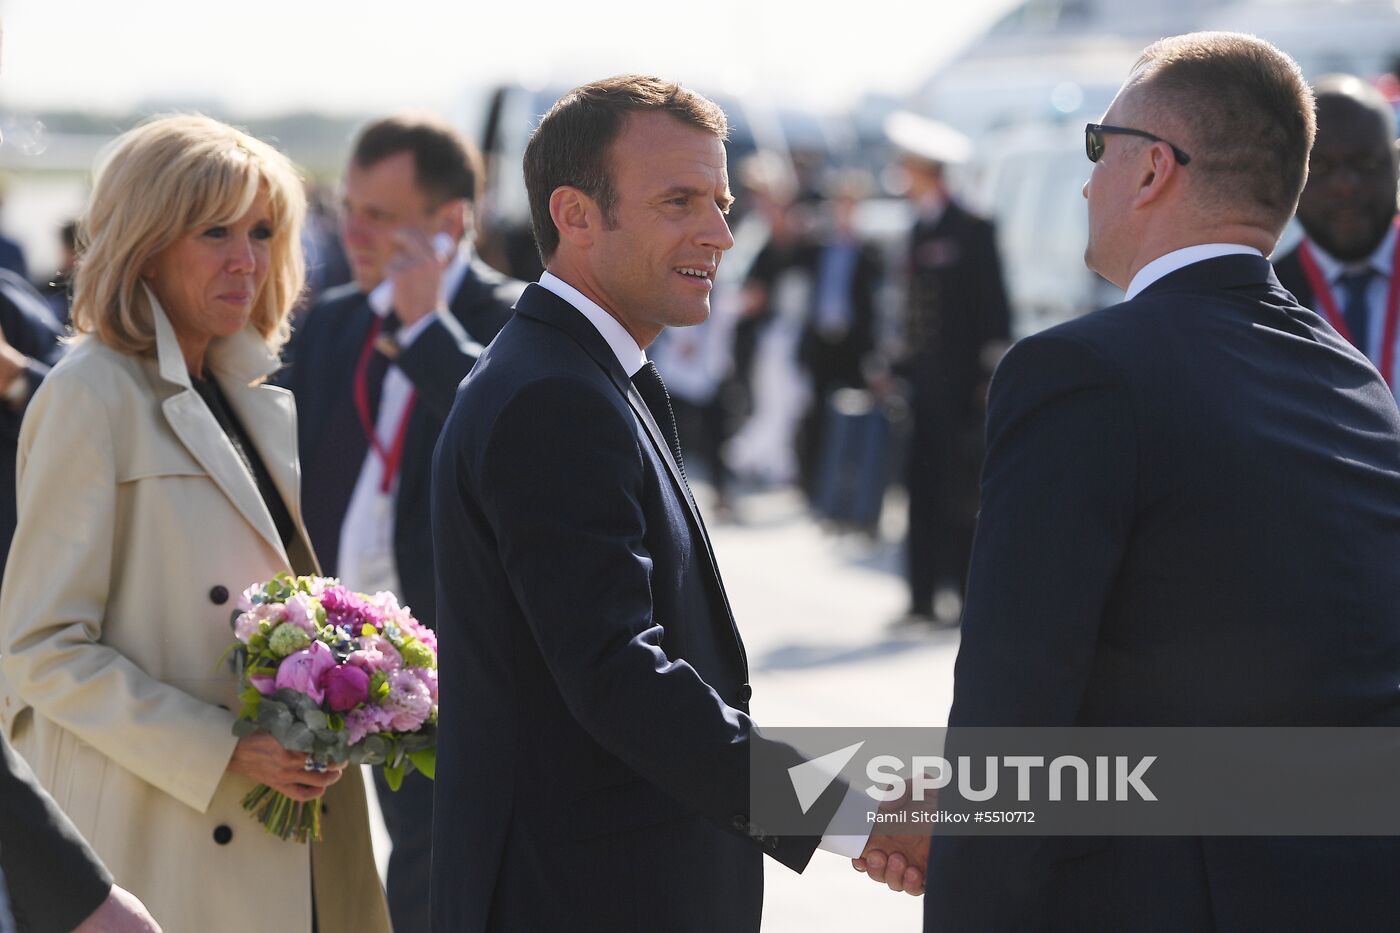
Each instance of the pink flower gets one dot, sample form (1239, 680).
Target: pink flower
(266, 684)
(429, 677)
(409, 701)
(420, 632)
(376, 654)
(250, 622)
(245, 599)
(302, 671)
(300, 610)
(346, 687)
(365, 720)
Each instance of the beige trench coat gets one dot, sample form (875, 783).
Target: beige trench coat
(138, 529)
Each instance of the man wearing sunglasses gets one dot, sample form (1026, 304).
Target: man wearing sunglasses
(1187, 519)
(1344, 268)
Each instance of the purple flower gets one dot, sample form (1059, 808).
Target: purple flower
(303, 670)
(364, 720)
(346, 609)
(266, 684)
(409, 701)
(346, 687)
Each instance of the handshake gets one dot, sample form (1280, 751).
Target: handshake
(899, 861)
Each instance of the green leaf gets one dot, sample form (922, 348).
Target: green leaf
(425, 761)
(393, 776)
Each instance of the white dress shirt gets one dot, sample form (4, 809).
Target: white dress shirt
(632, 358)
(366, 559)
(1180, 259)
(1380, 262)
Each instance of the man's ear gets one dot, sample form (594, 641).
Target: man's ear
(454, 218)
(575, 215)
(1157, 173)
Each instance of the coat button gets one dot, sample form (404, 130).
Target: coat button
(218, 595)
(222, 835)
(745, 693)
(740, 823)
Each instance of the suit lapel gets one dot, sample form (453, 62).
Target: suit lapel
(543, 305)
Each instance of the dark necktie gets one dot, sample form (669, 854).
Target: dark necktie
(378, 366)
(653, 392)
(1356, 310)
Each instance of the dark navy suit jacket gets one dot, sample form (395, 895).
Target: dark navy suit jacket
(1190, 516)
(593, 763)
(320, 372)
(31, 329)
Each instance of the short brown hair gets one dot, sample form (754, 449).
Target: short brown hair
(445, 164)
(163, 180)
(1247, 113)
(570, 146)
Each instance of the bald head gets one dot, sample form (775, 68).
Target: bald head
(1349, 203)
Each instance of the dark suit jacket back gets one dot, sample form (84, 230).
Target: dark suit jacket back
(594, 704)
(1190, 516)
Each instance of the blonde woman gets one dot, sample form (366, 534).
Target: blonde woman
(157, 477)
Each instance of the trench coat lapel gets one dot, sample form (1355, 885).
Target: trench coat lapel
(236, 361)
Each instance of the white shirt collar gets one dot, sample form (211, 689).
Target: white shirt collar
(629, 355)
(1381, 260)
(1180, 259)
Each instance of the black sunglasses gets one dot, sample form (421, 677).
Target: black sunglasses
(1095, 132)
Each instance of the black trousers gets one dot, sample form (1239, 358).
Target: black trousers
(945, 462)
(408, 815)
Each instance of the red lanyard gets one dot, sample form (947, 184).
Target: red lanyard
(391, 457)
(1322, 295)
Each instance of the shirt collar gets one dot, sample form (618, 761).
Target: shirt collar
(629, 355)
(1180, 259)
(1381, 260)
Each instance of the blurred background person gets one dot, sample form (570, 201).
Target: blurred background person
(374, 367)
(775, 303)
(957, 324)
(11, 253)
(56, 288)
(29, 345)
(1344, 267)
(158, 479)
(838, 335)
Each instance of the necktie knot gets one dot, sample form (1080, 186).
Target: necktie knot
(1356, 306)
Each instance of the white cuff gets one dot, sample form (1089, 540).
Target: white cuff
(407, 335)
(854, 810)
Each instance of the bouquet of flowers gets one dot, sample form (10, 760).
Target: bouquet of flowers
(342, 676)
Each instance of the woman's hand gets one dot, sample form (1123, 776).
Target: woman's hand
(262, 758)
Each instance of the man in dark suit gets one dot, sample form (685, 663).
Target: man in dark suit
(29, 345)
(1345, 266)
(594, 743)
(957, 322)
(1190, 517)
(55, 883)
(374, 367)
